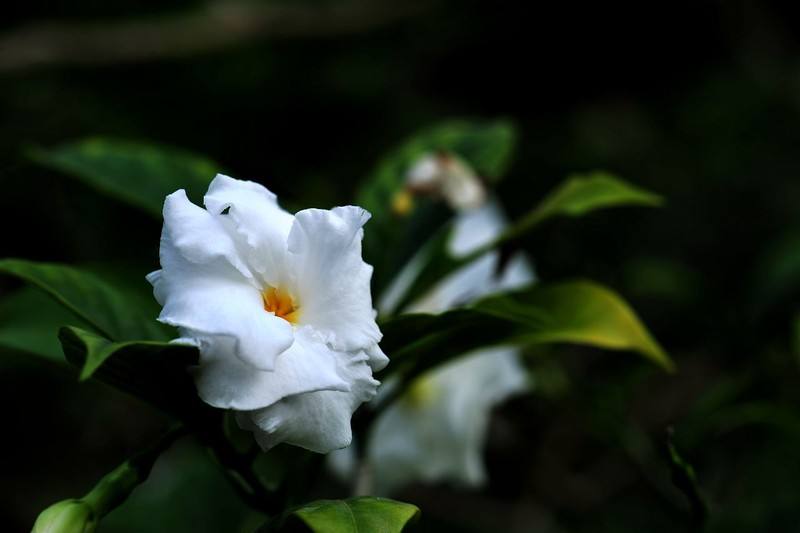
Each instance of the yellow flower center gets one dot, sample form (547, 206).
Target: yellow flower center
(281, 303)
(421, 393)
(402, 203)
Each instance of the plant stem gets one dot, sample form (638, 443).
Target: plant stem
(115, 487)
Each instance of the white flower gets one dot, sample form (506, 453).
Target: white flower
(279, 306)
(436, 430)
(447, 176)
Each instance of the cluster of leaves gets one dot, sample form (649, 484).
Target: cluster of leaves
(107, 329)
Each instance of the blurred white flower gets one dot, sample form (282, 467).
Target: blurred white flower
(436, 431)
(279, 306)
(447, 176)
(475, 228)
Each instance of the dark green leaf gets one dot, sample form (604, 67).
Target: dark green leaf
(153, 371)
(356, 515)
(578, 312)
(136, 173)
(581, 194)
(117, 314)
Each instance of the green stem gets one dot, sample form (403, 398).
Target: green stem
(111, 491)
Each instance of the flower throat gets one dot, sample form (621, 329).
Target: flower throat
(281, 303)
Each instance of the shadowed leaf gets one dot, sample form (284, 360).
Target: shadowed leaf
(115, 313)
(136, 173)
(153, 371)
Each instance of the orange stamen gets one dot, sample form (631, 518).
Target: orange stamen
(281, 303)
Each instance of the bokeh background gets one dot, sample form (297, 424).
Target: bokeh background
(696, 100)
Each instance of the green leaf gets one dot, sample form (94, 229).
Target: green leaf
(136, 173)
(583, 193)
(392, 238)
(577, 196)
(29, 321)
(153, 371)
(356, 515)
(115, 313)
(577, 312)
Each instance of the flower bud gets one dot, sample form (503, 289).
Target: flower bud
(67, 516)
(449, 177)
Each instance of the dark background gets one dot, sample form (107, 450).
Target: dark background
(698, 101)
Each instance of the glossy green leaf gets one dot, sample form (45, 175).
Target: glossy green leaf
(577, 196)
(578, 312)
(153, 371)
(392, 238)
(136, 173)
(115, 313)
(356, 515)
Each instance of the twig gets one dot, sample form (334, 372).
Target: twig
(217, 25)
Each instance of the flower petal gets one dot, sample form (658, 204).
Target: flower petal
(377, 359)
(198, 236)
(307, 366)
(463, 286)
(317, 421)
(255, 216)
(205, 288)
(475, 228)
(205, 307)
(518, 273)
(441, 437)
(333, 282)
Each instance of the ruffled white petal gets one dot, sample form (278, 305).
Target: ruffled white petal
(377, 359)
(199, 237)
(254, 215)
(205, 288)
(332, 281)
(307, 366)
(317, 421)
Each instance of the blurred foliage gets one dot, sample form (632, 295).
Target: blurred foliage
(707, 119)
(136, 173)
(394, 237)
(571, 312)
